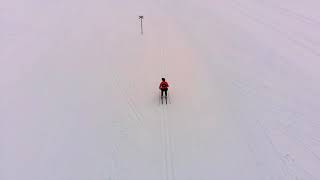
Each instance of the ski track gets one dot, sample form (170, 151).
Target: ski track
(166, 135)
(121, 127)
(167, 144)
(301, 43)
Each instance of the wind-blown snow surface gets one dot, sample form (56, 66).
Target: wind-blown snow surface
(79, 97)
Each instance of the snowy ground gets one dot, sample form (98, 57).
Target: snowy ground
(79, 97)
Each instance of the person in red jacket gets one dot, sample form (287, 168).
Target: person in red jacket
(164, 87)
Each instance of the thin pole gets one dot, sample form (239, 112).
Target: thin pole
(141, 18)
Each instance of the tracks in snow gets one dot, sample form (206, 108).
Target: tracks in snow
(300, 39)
(166, 137)
(167, 145)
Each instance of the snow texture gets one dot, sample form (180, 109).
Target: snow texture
(80, 99)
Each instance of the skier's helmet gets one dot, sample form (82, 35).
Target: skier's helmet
(163, 79)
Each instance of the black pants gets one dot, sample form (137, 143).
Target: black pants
(165, 91)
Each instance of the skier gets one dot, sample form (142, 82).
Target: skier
(164, 87)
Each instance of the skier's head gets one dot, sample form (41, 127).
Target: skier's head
(163, 79)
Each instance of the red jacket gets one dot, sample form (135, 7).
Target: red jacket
(163, 85)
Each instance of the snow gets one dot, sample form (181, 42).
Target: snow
(79, 97)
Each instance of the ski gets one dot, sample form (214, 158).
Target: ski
(164, 97)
